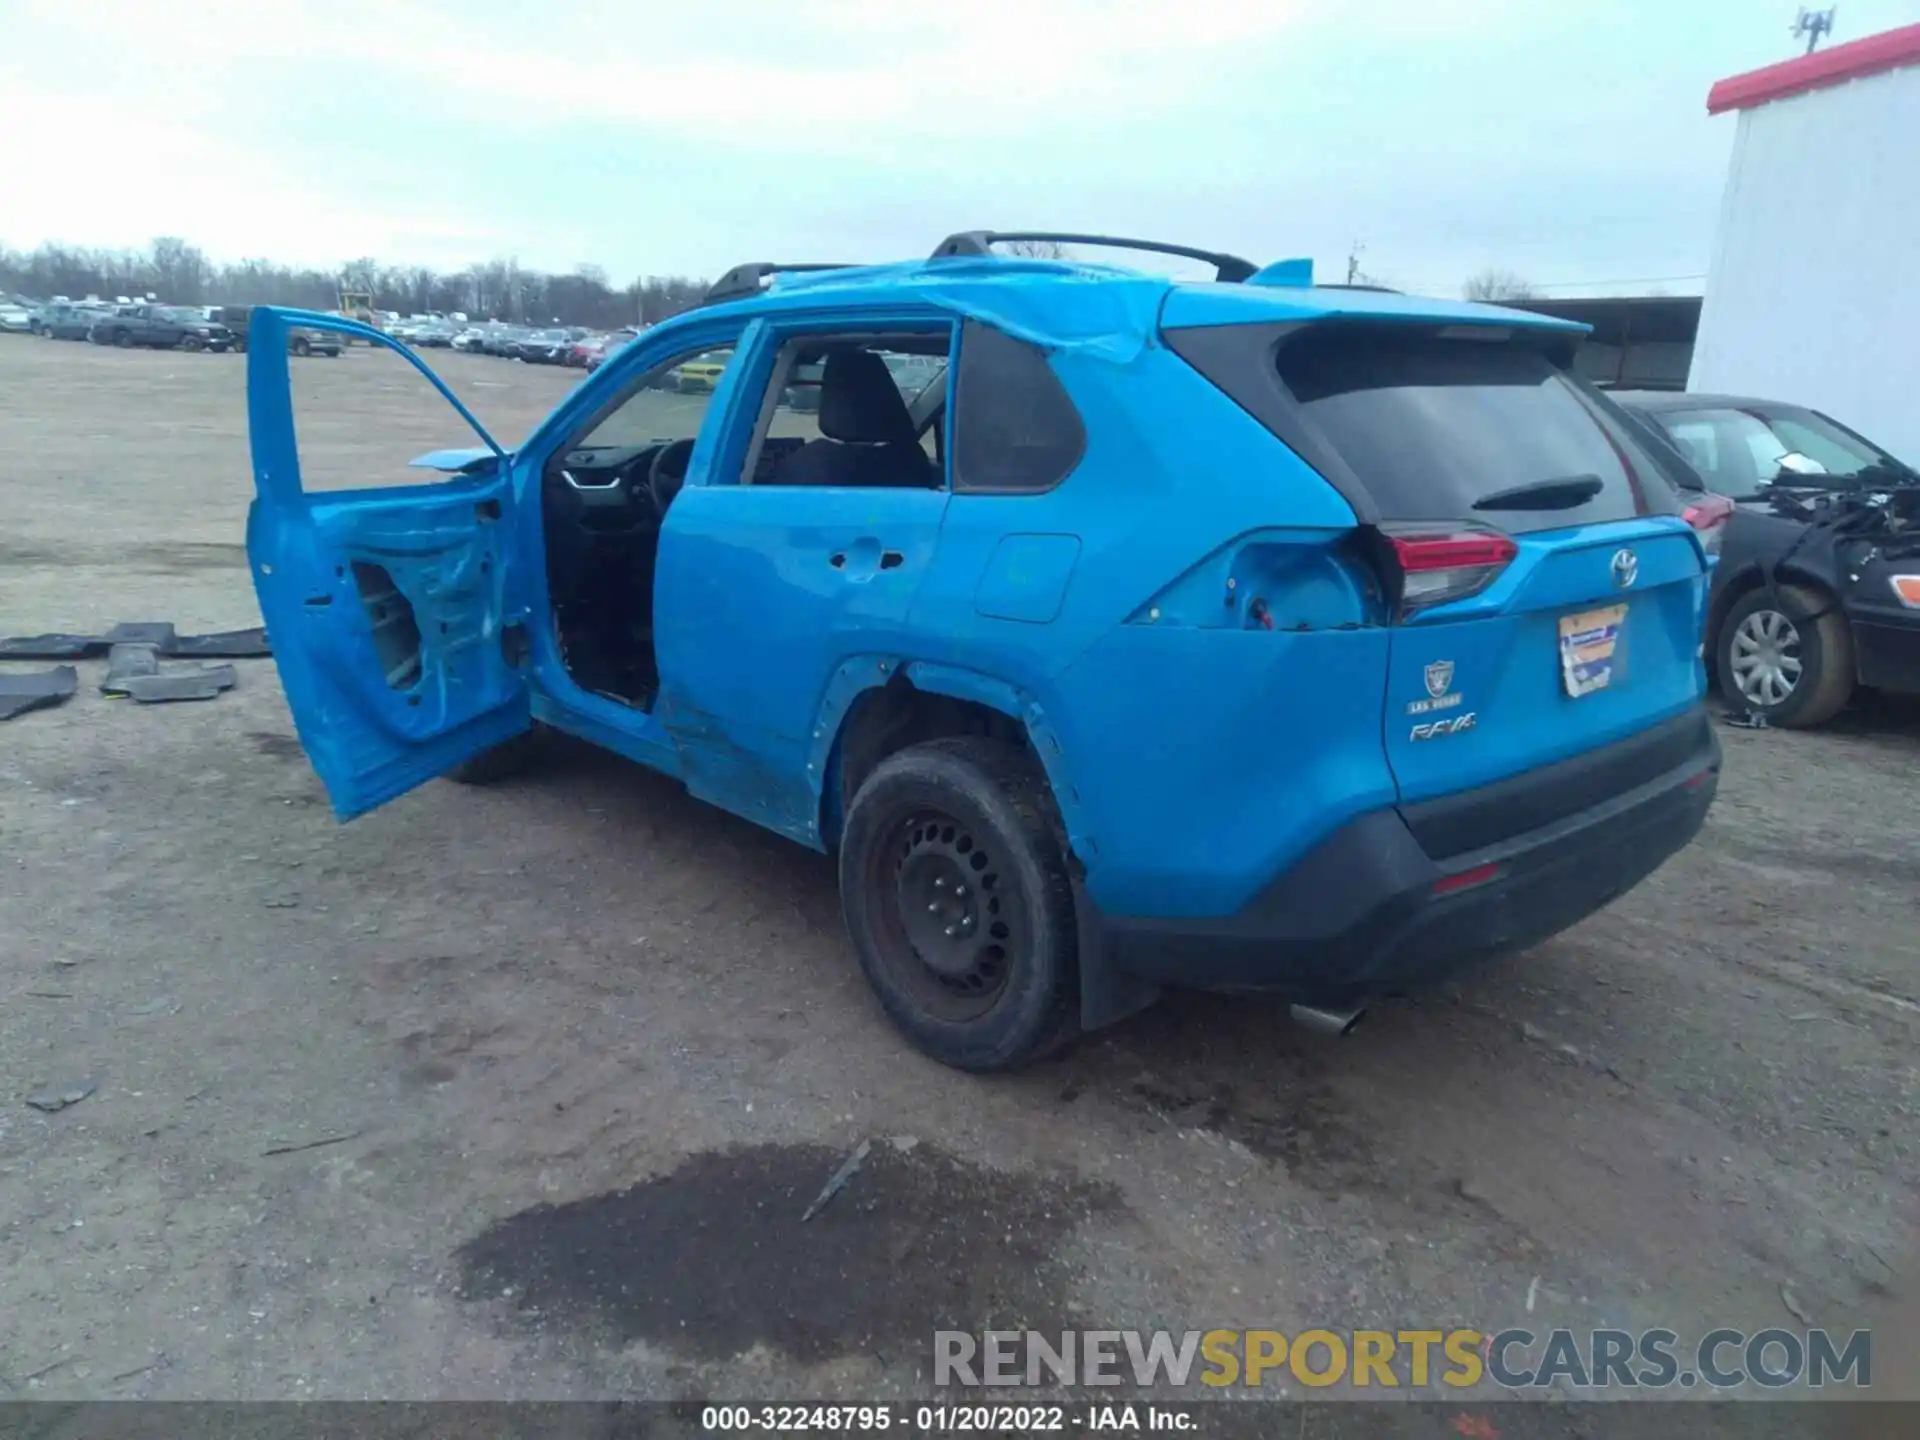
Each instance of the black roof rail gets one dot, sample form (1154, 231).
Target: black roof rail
(1230, 268)
(751, 278)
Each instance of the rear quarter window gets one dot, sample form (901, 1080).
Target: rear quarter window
(1015, 428)
(1435, 427)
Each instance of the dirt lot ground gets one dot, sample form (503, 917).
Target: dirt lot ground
(574, 1053)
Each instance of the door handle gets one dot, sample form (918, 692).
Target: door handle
(889, 560)
(864, 558)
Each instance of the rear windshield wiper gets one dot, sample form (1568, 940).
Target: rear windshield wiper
(1562, 494)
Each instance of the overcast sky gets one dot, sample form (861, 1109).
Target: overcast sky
(1564, 140)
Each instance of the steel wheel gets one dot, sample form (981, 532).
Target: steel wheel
(955, 889)
(1765, 658)
(946, 925)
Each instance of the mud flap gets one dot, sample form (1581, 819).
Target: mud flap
(1107, 993)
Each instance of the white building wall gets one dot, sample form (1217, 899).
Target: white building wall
(1813, 292)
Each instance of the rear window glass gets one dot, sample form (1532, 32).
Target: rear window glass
(1439, 428)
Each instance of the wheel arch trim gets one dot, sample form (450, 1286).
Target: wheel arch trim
(857, 676)
(1752, 576)
(1106, 993)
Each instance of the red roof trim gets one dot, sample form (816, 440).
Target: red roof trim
(1889, 50)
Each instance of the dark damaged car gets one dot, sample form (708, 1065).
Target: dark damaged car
(1817, 591)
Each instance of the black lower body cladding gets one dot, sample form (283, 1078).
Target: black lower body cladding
(1398, 900)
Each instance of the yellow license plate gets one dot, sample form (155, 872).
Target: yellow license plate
(1587, 644)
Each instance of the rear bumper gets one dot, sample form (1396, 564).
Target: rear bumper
(1360, 917)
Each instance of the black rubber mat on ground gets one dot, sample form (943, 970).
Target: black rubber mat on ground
(220, 645)
(36, 690)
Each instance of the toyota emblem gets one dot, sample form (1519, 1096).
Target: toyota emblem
(1626, 568)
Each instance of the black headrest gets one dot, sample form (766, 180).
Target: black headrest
(860, 402)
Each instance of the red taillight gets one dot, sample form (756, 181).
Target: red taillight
(1438, 566)
(1466, 879)
(1708, 516)
(1423, 553)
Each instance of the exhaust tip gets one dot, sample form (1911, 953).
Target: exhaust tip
(1326, 1022)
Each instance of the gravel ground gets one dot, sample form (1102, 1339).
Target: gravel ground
(521, 1091)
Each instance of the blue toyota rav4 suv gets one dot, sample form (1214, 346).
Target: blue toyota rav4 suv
(1116, 632)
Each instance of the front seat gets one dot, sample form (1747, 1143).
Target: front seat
(866, 430)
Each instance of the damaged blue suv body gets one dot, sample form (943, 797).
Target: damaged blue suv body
(1116, 632)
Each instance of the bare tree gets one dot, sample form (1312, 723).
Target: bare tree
(361, 275)
(1497, 285)
(1037, 249)
(658, 297)
(180, 271)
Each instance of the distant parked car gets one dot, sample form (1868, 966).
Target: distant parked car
(299, 342)
(595, 350)
(16, 317)
(803, 387)
(159, 327)
(913, 373)
(543, 347)
(65, 320)
(586, 348)
(499, 339)
(1817, 589)
(699, 375)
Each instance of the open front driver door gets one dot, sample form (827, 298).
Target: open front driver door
(394, 613)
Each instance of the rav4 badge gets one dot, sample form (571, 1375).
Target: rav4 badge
(1434, 729)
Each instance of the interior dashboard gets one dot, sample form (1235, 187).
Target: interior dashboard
(608, 488)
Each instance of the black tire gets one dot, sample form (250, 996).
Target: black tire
(1820, 640)
(189, 342)
(504, 761)
(123, 339)
(964, 827)
(300, 345)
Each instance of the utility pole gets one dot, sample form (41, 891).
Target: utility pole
(1814, 24)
